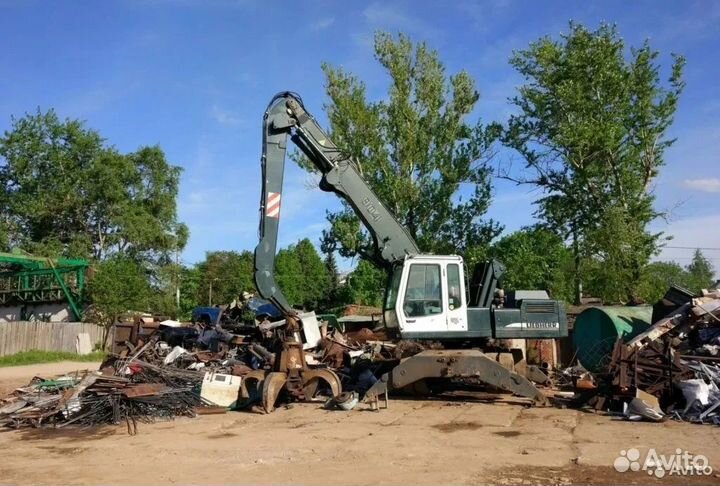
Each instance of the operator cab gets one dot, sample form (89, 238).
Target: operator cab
(426, 294)
(426, 299)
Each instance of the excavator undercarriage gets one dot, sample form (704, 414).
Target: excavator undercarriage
(494, 369)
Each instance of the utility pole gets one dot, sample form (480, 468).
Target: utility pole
(577, 300)
(177, 280)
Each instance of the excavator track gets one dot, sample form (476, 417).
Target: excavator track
(465, 363)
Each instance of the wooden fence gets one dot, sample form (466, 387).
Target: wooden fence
(20, 336)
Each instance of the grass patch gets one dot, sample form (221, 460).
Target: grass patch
(35, 357)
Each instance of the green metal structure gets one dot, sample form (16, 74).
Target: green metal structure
(29, 279)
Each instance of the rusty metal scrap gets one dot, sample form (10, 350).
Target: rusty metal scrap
(678, 350)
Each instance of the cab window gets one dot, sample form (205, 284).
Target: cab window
(453, 281)
(422, 295)
(393, 288)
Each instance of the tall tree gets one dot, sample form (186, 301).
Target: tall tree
(64, 191)
(365, 285)
(164, 299)
(415, 148)
(119, 285)
(316, 281)
(535, 258)
(701, 274)
(225, 275)
(658, 277)
(289, 275)
(332, 270)
(591, 126)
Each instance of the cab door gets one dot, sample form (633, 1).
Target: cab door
(421, 308)
(455, 301)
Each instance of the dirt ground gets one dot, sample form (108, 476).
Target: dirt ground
(442, 441)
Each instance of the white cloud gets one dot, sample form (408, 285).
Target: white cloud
(703, 185)
(323, 23)
(508, 197)
(86, 102)
(197, 197)
(382, 15)
(225, 117)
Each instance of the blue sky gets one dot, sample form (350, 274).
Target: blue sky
(195, 76)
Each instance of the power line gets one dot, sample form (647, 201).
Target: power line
(691, 248)
(690, 259)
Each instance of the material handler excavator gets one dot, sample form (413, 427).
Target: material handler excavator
(427, 297)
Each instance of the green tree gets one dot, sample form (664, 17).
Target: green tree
(314, 277)
(64, 191)
(591, 126)
(332, 270)
(333, 298)
(228, 273)
(289, 275)
(119, 285)
(658, 277)
(701, 274)
(537, 259)
(415, 149)
(164, 298)
(365, 285)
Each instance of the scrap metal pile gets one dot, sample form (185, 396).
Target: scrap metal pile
(672, 370)
(128, 390)
(147, 378)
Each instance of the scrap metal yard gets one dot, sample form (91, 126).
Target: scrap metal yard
(478, 439)
(153, 413)
(371, 243)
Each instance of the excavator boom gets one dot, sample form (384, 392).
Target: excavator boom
(286, 118)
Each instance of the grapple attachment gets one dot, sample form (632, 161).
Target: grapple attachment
(290, 373)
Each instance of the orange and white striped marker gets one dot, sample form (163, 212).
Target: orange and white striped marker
(272, 208)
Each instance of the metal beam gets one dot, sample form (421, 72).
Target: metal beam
(43, 280)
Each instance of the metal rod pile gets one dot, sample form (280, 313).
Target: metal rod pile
(133, 391)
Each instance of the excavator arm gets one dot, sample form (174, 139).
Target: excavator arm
(286, 118)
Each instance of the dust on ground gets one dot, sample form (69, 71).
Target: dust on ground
(411, 442)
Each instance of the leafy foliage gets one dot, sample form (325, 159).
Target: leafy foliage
(592, 129)
(299, 270)
(536, 258)
(332, 270)
(63, 191)
(228, 272)
(701, 274)
(301, 274)
(365, 285)
(658, 277)
(119, 285)
(415, 149)
(289, 275)
(314, 276)
(164, 298)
